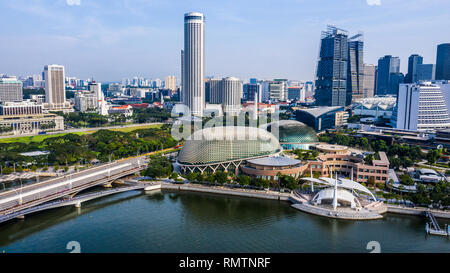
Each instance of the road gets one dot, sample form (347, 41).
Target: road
(75, 130)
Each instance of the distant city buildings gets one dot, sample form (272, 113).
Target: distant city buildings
(387, 66)
(10, 90)
(425, 72)
(232, 90)
(278, 90)
(251, 90)
(215, 90)
(369, 80)
(395, 79)
(85, 101)
(170, 83)
(443, 62)
(413, 62)
(296, 93)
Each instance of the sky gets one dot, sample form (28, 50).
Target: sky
(114, 39)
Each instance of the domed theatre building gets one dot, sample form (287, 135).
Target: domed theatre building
(225, 148)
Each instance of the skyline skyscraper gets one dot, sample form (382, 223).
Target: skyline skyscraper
(55, 90)
(331, 80)
(443, 62)
(369, 80)
(355, 69)
(194, 63)
(386, 66)
(413, 62)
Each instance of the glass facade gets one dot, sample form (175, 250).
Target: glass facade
(221, 144)
(443, 62)
(355, 70)
(387, 65)
(413, 61)
(331, 80)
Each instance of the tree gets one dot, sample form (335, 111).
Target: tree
(243, 180)
(191, 177)
(221, 177)
(159, 166)
(433, 156)
(364, 143)
(287, 181)
(173, 176)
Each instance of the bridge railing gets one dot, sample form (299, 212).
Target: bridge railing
(62, 189)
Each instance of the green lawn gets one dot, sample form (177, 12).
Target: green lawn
(39, 138)
(129, 129)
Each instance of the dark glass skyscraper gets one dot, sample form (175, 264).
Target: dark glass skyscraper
(386, 66)
(413, 62)
(443, 62)
(331, 81)
(355, 69)
(395, 79)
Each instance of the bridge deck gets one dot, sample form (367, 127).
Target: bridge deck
(42, 192)
(71, 201)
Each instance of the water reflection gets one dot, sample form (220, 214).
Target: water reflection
(18, 229)
(180, 221)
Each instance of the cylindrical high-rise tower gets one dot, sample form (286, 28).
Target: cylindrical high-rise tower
(194, 62)
(232, 90)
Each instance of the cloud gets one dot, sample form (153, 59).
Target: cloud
(373, 2)
(73, 2)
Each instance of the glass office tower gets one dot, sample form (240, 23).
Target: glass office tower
(443, 62)
(331, 80)
(413, 62)
(387, 65)
(355, 69)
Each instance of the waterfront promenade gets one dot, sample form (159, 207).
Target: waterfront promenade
(263, 194)
(298, 203)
